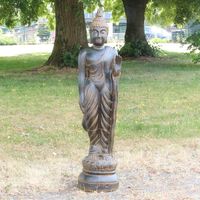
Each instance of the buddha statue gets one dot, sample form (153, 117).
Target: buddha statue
(99, 67)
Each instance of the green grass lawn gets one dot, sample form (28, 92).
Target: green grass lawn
(158, 98)
(21, 63)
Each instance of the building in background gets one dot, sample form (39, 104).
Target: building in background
(38, 32)
(35, 33)
(117, 31)
(26, 34)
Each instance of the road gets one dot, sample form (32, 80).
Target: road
(16, 50)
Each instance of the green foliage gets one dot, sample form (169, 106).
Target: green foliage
(165, 12)
(7, 40)
(13, 12)
(48, 11)
(162, 12)
(90, 5)
(24, 11)
(186, 10)
(70, 58)
(194, 41)
(116, 7)
(138, 48)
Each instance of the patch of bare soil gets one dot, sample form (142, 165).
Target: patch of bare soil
(153, 169)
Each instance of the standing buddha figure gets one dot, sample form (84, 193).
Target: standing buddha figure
(99, 67)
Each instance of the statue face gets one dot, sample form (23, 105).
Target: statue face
(98, 36)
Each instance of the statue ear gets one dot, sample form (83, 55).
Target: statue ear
(91, 40)
(90, 36)
(106, 39)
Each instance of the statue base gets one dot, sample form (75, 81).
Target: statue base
(98, 174)
(98, 182)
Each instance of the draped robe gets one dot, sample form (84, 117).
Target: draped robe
(99, 87)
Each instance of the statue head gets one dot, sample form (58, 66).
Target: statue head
(98, 29)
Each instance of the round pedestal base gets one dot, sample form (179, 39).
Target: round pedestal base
(98, 182)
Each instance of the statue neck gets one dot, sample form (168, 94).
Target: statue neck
(98, 47)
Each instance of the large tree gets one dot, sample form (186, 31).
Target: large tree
(69, 17)
(70, 29)
(135, 10)
(70, 26)
(161, 12)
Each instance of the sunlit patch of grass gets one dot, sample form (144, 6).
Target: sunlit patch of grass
(23, 62)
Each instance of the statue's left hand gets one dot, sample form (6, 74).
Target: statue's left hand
(118, 60)
(117, 65)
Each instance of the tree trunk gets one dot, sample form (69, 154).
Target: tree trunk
(70, 29)
(135, 12)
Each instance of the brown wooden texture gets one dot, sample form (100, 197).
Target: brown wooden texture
(99, 67)
(135, 12)
(70, 29)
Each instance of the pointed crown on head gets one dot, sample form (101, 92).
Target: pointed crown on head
(99, 21)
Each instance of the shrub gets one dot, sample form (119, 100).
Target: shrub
(70, 58)
(194, 41)
(138, 48)
(7, 40)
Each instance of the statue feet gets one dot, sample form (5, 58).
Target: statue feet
(98, 173)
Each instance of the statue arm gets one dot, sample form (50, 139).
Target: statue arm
(117, 60)
(81, 78)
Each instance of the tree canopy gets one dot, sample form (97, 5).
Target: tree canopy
(67, 14)
(13, 12)
(179, 12)
(163, 12)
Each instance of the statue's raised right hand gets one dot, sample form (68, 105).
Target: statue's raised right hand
(117, 65)
(118, 60)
